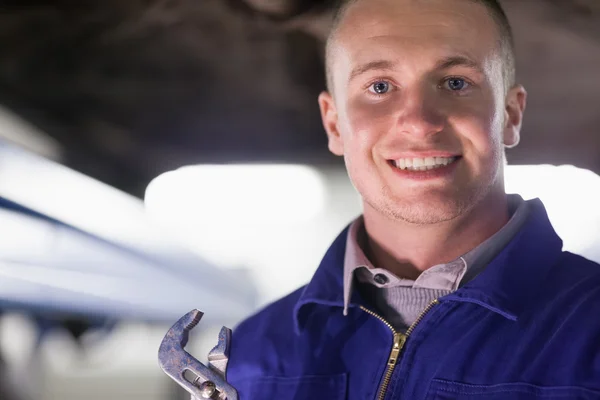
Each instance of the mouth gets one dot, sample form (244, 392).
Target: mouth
(423, 164)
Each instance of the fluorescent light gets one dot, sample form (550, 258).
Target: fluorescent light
(571, 196)
(228, 213)
(244, 195)
(69, 196)
(116, 259)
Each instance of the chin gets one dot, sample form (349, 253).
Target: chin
(427, 210)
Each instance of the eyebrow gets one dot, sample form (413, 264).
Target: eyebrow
(458, 61)
(370, 66)
(445, 63)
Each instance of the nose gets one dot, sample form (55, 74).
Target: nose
(419, 114)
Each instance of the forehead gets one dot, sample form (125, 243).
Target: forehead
(415, 29)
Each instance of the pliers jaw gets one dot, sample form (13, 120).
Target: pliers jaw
(202, 382)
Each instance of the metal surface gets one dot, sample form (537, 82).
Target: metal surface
(208, 382)
(219, 355)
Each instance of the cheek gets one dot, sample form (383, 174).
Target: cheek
(362, 127)
(480, 127)
(366, 123)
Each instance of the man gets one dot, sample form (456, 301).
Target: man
(445, 288)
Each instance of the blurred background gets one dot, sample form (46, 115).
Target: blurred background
(163, 155)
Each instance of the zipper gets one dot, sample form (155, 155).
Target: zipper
(398, 345)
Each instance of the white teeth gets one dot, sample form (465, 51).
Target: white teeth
(423, 164)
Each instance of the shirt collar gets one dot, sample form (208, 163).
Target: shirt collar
(448, 276)
(503, 286)
(481, 255)
(326, 285)
(356, 264)
(354, 258)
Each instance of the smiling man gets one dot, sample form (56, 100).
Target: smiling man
(445, 287)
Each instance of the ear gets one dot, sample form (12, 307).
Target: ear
(516, 101)
(329, 117)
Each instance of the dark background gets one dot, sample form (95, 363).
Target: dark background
(134, 88)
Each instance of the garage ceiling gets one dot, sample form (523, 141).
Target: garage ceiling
(132, 89)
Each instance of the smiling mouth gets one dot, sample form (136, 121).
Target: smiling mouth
(423, 164)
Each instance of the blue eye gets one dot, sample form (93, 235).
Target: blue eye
(456, 84)
(380, 87)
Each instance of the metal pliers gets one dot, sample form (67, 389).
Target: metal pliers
(200, 381)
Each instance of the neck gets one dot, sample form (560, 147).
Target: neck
(408, 249)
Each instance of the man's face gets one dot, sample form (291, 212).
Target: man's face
(419, 108)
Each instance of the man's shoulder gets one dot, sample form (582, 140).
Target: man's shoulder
(274, 319)
(567, 311)
(574, 268)
(264, 340)
(573, 287)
